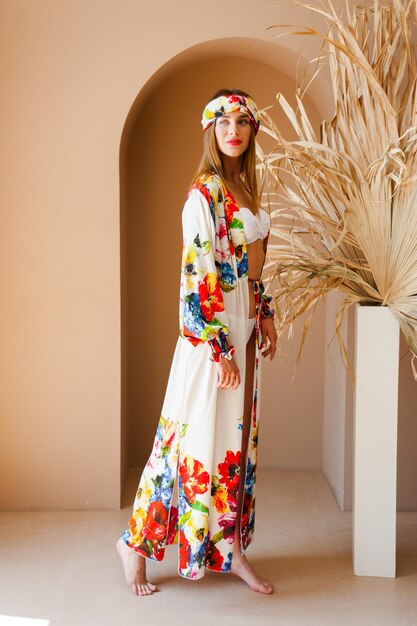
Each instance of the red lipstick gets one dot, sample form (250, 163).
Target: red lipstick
(234, 142)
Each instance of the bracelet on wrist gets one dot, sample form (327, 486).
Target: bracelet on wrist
(219, 351)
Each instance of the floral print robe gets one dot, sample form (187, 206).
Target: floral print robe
(188, 490)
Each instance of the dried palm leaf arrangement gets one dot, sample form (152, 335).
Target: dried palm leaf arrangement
(345, 209)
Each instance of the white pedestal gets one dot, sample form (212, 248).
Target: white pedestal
(375, 442)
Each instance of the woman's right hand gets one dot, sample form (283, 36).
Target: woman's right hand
(229, 375)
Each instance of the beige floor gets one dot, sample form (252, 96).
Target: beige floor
(62, 567)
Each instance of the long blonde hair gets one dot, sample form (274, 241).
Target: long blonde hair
(211, 162)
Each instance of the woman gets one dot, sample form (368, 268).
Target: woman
(206, 441)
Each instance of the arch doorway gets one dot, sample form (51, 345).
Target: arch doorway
(161, 147)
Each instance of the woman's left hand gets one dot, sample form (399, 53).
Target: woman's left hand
(269, 337)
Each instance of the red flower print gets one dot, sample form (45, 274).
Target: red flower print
(210, 296)
(255, 402)
(188, 334)
(168, 443)
(228, 523)
(203, 189)
(214, 559)
(247, 503)
(223, 254)
(173, 525)
(194, 478)
(152, 549)
(230, 208)
(248, 520)
(222, 232)
(234, 98)
(155, 527)
(185, 550)
(229, 472)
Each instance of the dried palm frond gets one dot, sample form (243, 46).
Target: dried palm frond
(345, 207)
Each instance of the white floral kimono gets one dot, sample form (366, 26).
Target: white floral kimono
(198, 440)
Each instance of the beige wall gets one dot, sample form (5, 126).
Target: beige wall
(71, 72)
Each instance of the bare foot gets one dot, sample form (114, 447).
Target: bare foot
(134, 566)
(242, 568)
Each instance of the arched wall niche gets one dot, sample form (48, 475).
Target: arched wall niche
(160, 149)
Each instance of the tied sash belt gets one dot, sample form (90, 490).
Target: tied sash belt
(258, 289)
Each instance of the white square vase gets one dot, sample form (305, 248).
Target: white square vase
(375, 442)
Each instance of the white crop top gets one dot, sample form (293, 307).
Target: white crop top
(255, 226)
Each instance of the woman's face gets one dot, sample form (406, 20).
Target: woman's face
(233, 133)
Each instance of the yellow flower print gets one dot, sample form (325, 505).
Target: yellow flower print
(219, 494)
(136, 526)
(220, 501)
(168, 432)
(254, 440)
(190, 255)
(145, 491)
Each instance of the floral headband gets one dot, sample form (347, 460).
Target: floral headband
(226, 104)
